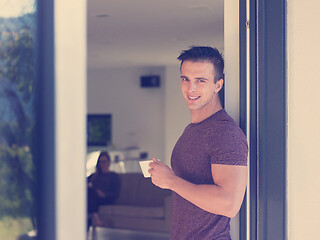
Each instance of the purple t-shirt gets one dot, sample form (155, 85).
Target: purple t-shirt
(216, 140)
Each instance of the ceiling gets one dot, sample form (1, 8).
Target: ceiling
(150, 32)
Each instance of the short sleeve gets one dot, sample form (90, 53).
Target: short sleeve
(227, 145)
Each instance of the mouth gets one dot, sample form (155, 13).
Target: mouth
(193, 98)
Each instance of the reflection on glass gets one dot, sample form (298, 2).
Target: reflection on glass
(17, 118)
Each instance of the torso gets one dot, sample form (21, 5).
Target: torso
(216, 140)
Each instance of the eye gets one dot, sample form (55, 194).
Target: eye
(184, 79)
(201, 81)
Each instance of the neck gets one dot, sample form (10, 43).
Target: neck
(202, 114)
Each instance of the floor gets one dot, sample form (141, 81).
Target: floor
(100, 233)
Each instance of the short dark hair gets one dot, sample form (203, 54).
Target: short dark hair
(204, 53)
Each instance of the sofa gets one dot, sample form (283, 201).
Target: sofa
(140, 206)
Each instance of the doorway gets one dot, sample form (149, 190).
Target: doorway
(130, 39)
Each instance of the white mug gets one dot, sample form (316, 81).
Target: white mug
(145, 167)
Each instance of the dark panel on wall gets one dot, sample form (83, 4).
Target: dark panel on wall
(152, 81)
(271, 118)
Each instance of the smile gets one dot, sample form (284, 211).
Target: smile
(193, 98)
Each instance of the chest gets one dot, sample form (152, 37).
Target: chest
(103, 182)
(191, 158)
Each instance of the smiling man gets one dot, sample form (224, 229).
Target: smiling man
(209, 174)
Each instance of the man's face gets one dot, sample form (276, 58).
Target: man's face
(198, 86)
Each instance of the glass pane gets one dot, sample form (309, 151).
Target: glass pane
(17, 118)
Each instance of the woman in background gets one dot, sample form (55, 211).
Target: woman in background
(103, 188)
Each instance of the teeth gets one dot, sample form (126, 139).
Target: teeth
(192, 98)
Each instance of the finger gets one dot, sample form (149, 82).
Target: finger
(151, 171)
(156, 161)
(151, 164)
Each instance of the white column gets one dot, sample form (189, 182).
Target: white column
(231, 57)
(70, 108)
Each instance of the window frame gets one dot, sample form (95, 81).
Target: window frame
(61, 115)
(267, 111)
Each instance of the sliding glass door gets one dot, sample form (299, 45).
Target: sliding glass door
(18, 47)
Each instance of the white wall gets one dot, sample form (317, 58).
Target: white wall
(177, 113)
(303, 160)
(231, 58)
(137, 113)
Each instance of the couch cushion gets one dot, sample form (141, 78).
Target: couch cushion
(131, 211)
(139, 191)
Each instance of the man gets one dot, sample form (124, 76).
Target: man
(209, 174)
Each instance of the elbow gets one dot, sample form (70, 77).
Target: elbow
(230, 209)
(232, 205)
(232, 213)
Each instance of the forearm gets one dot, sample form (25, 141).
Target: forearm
(223, 198)
(211, 198)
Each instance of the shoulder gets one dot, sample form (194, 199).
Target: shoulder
(226, 141)
(222, 126)
(114, 175)
(90, 177)
(110, 174)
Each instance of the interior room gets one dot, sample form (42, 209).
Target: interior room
(129, 44)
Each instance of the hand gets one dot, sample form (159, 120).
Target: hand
(161, 175)
(100, 193)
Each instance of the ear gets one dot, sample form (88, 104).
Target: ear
(219, 85)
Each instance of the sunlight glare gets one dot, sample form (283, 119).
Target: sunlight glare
(15, 8)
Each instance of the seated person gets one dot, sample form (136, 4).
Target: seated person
(103, 188)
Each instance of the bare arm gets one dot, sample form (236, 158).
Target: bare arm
(223, 198)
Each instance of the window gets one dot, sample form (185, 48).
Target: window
(17, 118)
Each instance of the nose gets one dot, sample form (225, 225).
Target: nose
(192, 87)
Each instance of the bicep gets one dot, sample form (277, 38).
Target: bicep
(232, 179)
